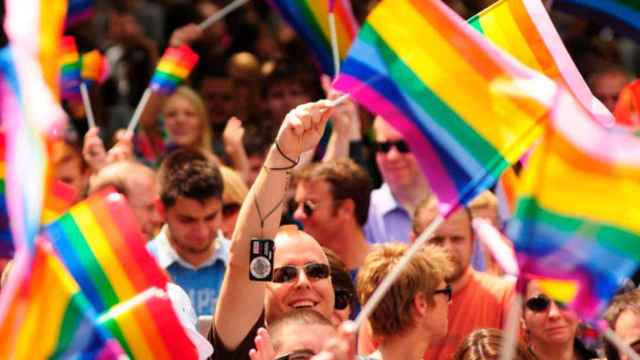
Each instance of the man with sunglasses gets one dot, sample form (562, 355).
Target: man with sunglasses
(404, 186)
(412, 315)
(332, 204)
(301, 277)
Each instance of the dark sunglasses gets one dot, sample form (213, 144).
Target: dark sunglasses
(385, 147)
(308, 207)
(541, 303)
(297, 355)
(343, 299)
(314, 271)
(447, 291)
(230, 209)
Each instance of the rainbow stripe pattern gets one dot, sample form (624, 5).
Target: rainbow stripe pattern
(6, 242)
(310, 19)
(623, 15)
(70, 69)
(95, 67)
(101, 245)
(57, 200)
(577, 220)
(48, 308)
(174, 66)
(459, 102)
(524, 30)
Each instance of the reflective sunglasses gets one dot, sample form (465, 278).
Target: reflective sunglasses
(297, 355)
(385, 147)
(343, 299)
(230, 209)
(446, 290)
(288, 273)
(541, 303)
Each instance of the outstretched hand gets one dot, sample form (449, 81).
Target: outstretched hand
(303, 127)
(264, 349)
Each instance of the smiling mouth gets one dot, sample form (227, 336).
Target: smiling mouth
(303, 304)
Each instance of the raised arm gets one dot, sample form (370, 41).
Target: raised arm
(241, 300)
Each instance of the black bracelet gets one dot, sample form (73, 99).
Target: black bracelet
(284, 168)
(294, 162)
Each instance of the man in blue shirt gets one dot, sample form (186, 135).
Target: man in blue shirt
(188, 247)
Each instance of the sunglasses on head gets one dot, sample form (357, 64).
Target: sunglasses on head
(230, 209)
(288, 273)
(343, 299)
(446, 291)
(541, 303)
(385, 146)
(297, 355)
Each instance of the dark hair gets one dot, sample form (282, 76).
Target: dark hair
(340, 276)
(189, 173)
(291, 71)
(347, 180)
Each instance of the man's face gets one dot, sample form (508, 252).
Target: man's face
(438, 320)
(283, 97)
(315, 197)
(398, 169)
(303, 338)
(455, 236)
(627, 327)
(193, 225)
(142, 196)
(607, 89)
(216, 93)
(298, 249)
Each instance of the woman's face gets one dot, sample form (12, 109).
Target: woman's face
(182, 122)
(550, 325)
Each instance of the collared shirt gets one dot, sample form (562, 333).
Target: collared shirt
(201, 283)
(388, 221)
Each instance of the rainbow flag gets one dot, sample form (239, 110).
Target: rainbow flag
(48, 316)
(174, 66)
(100, 243)
(70, 69)
(95, 67)
(35, 27)
(57, 200)
(622, 15)
(506, 192)
(577, 222)
(310, 19)
(6, 240)
(524, 30)
(78, 11)
(460, 103)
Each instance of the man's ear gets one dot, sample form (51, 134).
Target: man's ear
(421, 304)
(347, 207)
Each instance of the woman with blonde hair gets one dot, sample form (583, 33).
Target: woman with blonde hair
(486, 344)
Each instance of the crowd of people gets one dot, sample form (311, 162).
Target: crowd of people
(251, 156)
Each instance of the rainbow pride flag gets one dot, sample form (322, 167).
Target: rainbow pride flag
(6, 240)
(35, 27)
(70, 69)
(57, 200)
(577, 221)
(524, 30)
(622, 15)
(78, 11)
(100, 243)
(460, 103)
(48, 317)
(310, 19)
(95, 67)
(174, 66)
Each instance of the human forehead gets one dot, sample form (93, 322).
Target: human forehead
(458, 221)
(298, 249)
(177, 101)
(299, 337)
(313, 189)
(384, 131)
(189, 206)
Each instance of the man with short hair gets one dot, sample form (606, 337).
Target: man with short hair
(137, 183)
(479, 299)
(413, 313)
(623, 316)
(301, 277)
(191, 206)
(404, 186)
(332, 203)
